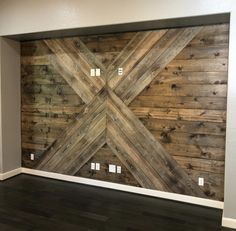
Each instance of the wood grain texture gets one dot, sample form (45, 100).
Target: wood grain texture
(163, 119)
(106, 156)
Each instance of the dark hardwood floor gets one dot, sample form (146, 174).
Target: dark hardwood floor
(33, 203)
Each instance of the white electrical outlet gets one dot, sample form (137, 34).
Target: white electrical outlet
(97, 167)
(98, 72)
(93, 166)
(201, 181)
(118, 169)
(112, 168)
(120, 71)
(32, 156)
(92, 72)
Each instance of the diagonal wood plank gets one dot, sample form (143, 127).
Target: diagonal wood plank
(130, 157)
(85, 60)
(66, 62)
(154, 62)
(135, 50)
(92, 119)
(165, 169)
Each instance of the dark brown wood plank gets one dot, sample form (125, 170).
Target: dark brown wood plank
(192, 127)
(188, 90)
(218, 116)
(187, 102)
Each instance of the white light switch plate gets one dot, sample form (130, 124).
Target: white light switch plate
(98, 72)
(97, 166)
(92, 72)
(93, 166)
(120, 71)
(118, 169)
(201, 181)
(112, 168)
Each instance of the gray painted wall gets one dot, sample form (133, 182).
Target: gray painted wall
(28, 16)
(10, 145)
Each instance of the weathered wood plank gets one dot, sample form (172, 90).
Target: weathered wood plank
(195, 78)
(201, 164)
(195, 151)
(188, 90)
(188, 138)
(66, 110)
(131, 55)
(91, 121)
(192, 127)
(66, 64)
(212, 183)
(49, 99)
(204, 52)
(149, 148)
(181, 114)
(105, 156)
(219, 65)
(169, 46)
(188, 102)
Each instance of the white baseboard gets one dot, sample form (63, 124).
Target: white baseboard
(229, 222)
(126, 188)
(14, 172)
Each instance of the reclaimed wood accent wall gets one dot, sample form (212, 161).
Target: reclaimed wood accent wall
(163, 120)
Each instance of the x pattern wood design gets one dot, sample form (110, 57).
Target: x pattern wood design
(106, 117)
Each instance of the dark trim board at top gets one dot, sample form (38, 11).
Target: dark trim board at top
(127, 27)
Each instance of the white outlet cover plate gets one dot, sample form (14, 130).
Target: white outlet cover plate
(93, 166)
(112, 168)
(98, 72)
(201, 181)
(92, 72)
(118, 169)
(120, 71)
(97, 166)
(32, 156)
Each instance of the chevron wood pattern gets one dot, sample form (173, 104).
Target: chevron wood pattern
(122, 112)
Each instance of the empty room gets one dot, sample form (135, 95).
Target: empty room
(117, 115)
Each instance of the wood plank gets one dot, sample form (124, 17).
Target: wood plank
(51, 100)
(34, 48)
(192, 127)
(189, 77)
(149, 148)
(202, 165)
(188, 102)
(180, 114)
(128, 156)
(131, 55)
(66, 110)
(203, 52)
(37, 60)
(168, 47)
(212, 183)
(188, 90)
(105, 156)
(91, 121)
(204, 65)
(212, 35)
(68, 67)
(51, 89)
(189, 138)
(42, 79)
(195, 151)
